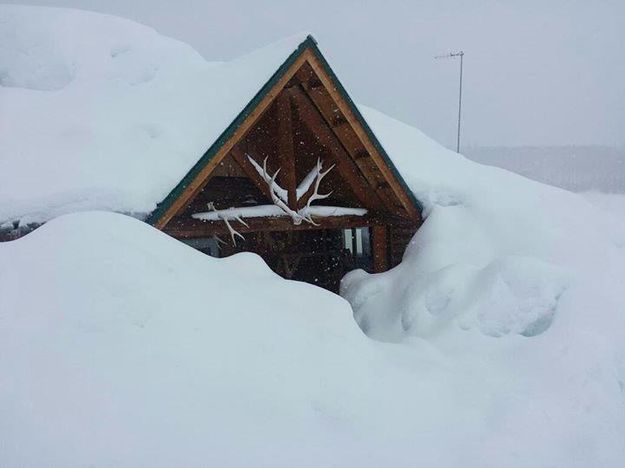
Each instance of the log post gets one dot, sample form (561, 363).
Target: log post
(379, 248)
(286, 152)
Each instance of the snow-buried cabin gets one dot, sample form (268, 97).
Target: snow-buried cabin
(297, 177)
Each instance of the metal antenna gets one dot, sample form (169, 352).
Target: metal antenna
(453, 55)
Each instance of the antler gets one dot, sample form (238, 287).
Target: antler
(279, 197)
(262, 171)
(274, 191)
(233, 232)
(320, 174)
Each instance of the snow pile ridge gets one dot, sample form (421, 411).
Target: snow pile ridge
(495, 254)
(144, 352)
(113, 121)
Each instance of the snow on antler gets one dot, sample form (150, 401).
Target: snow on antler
(279, 198)
(317, 175)
(320, 174)
(262, 171)
(276, 199)
(306, 182)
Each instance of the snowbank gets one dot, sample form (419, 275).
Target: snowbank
(611, 202)
(497, 252)
(112, 121)
(132, 349)
(520, 276)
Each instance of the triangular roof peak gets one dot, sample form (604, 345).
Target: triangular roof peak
(277, 51)
(307, 66)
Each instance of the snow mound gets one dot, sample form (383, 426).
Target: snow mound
(510, 295)
(611, 202)
(496, 253)
(132, 349)
(112, 121)
(136, 348)
(39, 50)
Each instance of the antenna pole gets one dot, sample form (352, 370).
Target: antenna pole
(453, 55)
(459, 104)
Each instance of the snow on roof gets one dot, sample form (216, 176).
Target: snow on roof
(113, 121)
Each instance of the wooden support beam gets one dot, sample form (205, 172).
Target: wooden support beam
(193, 228)
(286, 153)
(343, 129)
(241, 159)
(379, 247)
(317, 125)
(314, 82)
(338, 120)
(329, 101)
(361, 153)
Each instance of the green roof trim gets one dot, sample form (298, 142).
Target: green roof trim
(308, 43)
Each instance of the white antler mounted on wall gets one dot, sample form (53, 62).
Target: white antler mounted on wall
(226, 219)
(317, 175)
(279, 197)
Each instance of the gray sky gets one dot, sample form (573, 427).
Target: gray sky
(546, 72)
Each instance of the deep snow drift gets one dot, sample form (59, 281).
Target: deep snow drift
(120, 346)
(497, 252)
(112, 120)
(611, 202)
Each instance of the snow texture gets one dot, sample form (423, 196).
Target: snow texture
(112, 121)
(574, 168)
(518, 276)
(499, 340)
(262, 211)
(497, 252)
(611, 202)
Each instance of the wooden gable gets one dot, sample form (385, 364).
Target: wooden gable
(301, 117)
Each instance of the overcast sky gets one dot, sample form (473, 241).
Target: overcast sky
(536, 72)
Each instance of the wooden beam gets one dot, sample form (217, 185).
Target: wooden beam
(345, 110)
(379, 247)
(314, 121)
(193, 228)
(360, 154)
(200, 180)
(286, 153)
(321, 99)
(241, 159)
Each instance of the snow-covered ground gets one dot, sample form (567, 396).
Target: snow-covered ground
(574, 168)
(611, 202)
(120, 346)
(499, 340)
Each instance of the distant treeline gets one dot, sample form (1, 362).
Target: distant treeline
(575, 168)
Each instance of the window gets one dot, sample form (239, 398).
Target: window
(357, 241)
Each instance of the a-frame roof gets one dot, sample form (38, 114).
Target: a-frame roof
(306, 53)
